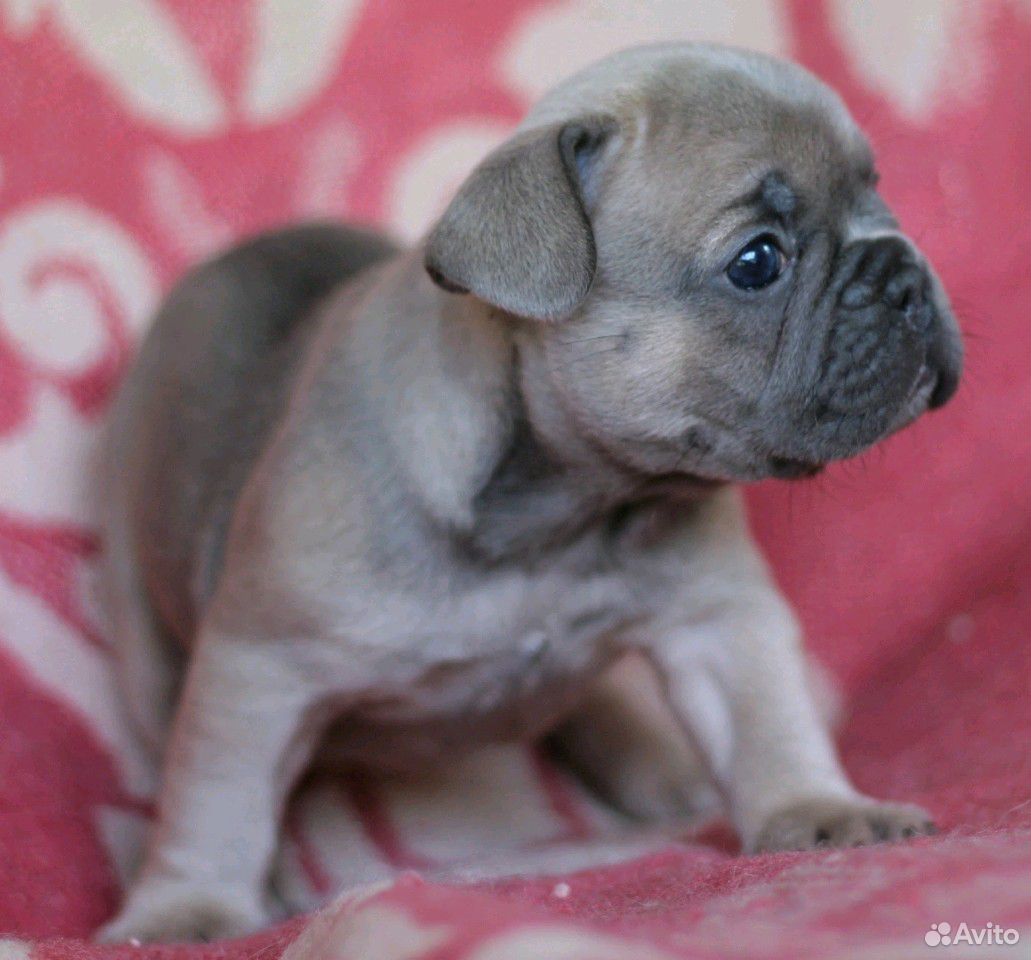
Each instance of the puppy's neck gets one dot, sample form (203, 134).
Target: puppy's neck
(476, 429)
(548, 483)
(534, 498)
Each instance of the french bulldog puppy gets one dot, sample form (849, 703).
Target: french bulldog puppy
(404, 503)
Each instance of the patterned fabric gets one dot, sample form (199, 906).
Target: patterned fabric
(137, 136)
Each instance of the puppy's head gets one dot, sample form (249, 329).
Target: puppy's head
(705, 273)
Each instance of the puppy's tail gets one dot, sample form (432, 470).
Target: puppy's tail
(149, 663)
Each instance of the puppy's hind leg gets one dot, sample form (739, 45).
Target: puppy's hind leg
(251, 713)
(626, 745)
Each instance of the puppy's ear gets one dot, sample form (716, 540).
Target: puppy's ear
(517, 233)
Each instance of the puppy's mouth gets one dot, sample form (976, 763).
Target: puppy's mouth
(684, 484)
(917, 400)
(789, 468)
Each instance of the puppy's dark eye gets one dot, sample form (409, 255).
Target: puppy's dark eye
(758, 264)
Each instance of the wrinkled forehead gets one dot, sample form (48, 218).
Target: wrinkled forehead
(705, 125)
(730, 146)
(725, 116)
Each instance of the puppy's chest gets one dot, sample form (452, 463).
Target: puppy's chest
(503, 659)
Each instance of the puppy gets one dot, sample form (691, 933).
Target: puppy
(410, 502)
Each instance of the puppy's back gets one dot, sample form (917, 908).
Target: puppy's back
(191, 418)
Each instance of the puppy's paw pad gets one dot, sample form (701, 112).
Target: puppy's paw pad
(176, 913)
(841, 823)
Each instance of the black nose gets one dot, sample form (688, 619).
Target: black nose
(888, 271)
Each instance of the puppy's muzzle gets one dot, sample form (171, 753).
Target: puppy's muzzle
(892, 346)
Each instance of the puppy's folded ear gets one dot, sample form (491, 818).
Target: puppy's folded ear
(517, 234)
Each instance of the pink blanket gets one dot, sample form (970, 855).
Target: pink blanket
(139, 136)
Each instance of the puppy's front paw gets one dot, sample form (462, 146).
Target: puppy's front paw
(836, 822)
(175, 911)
